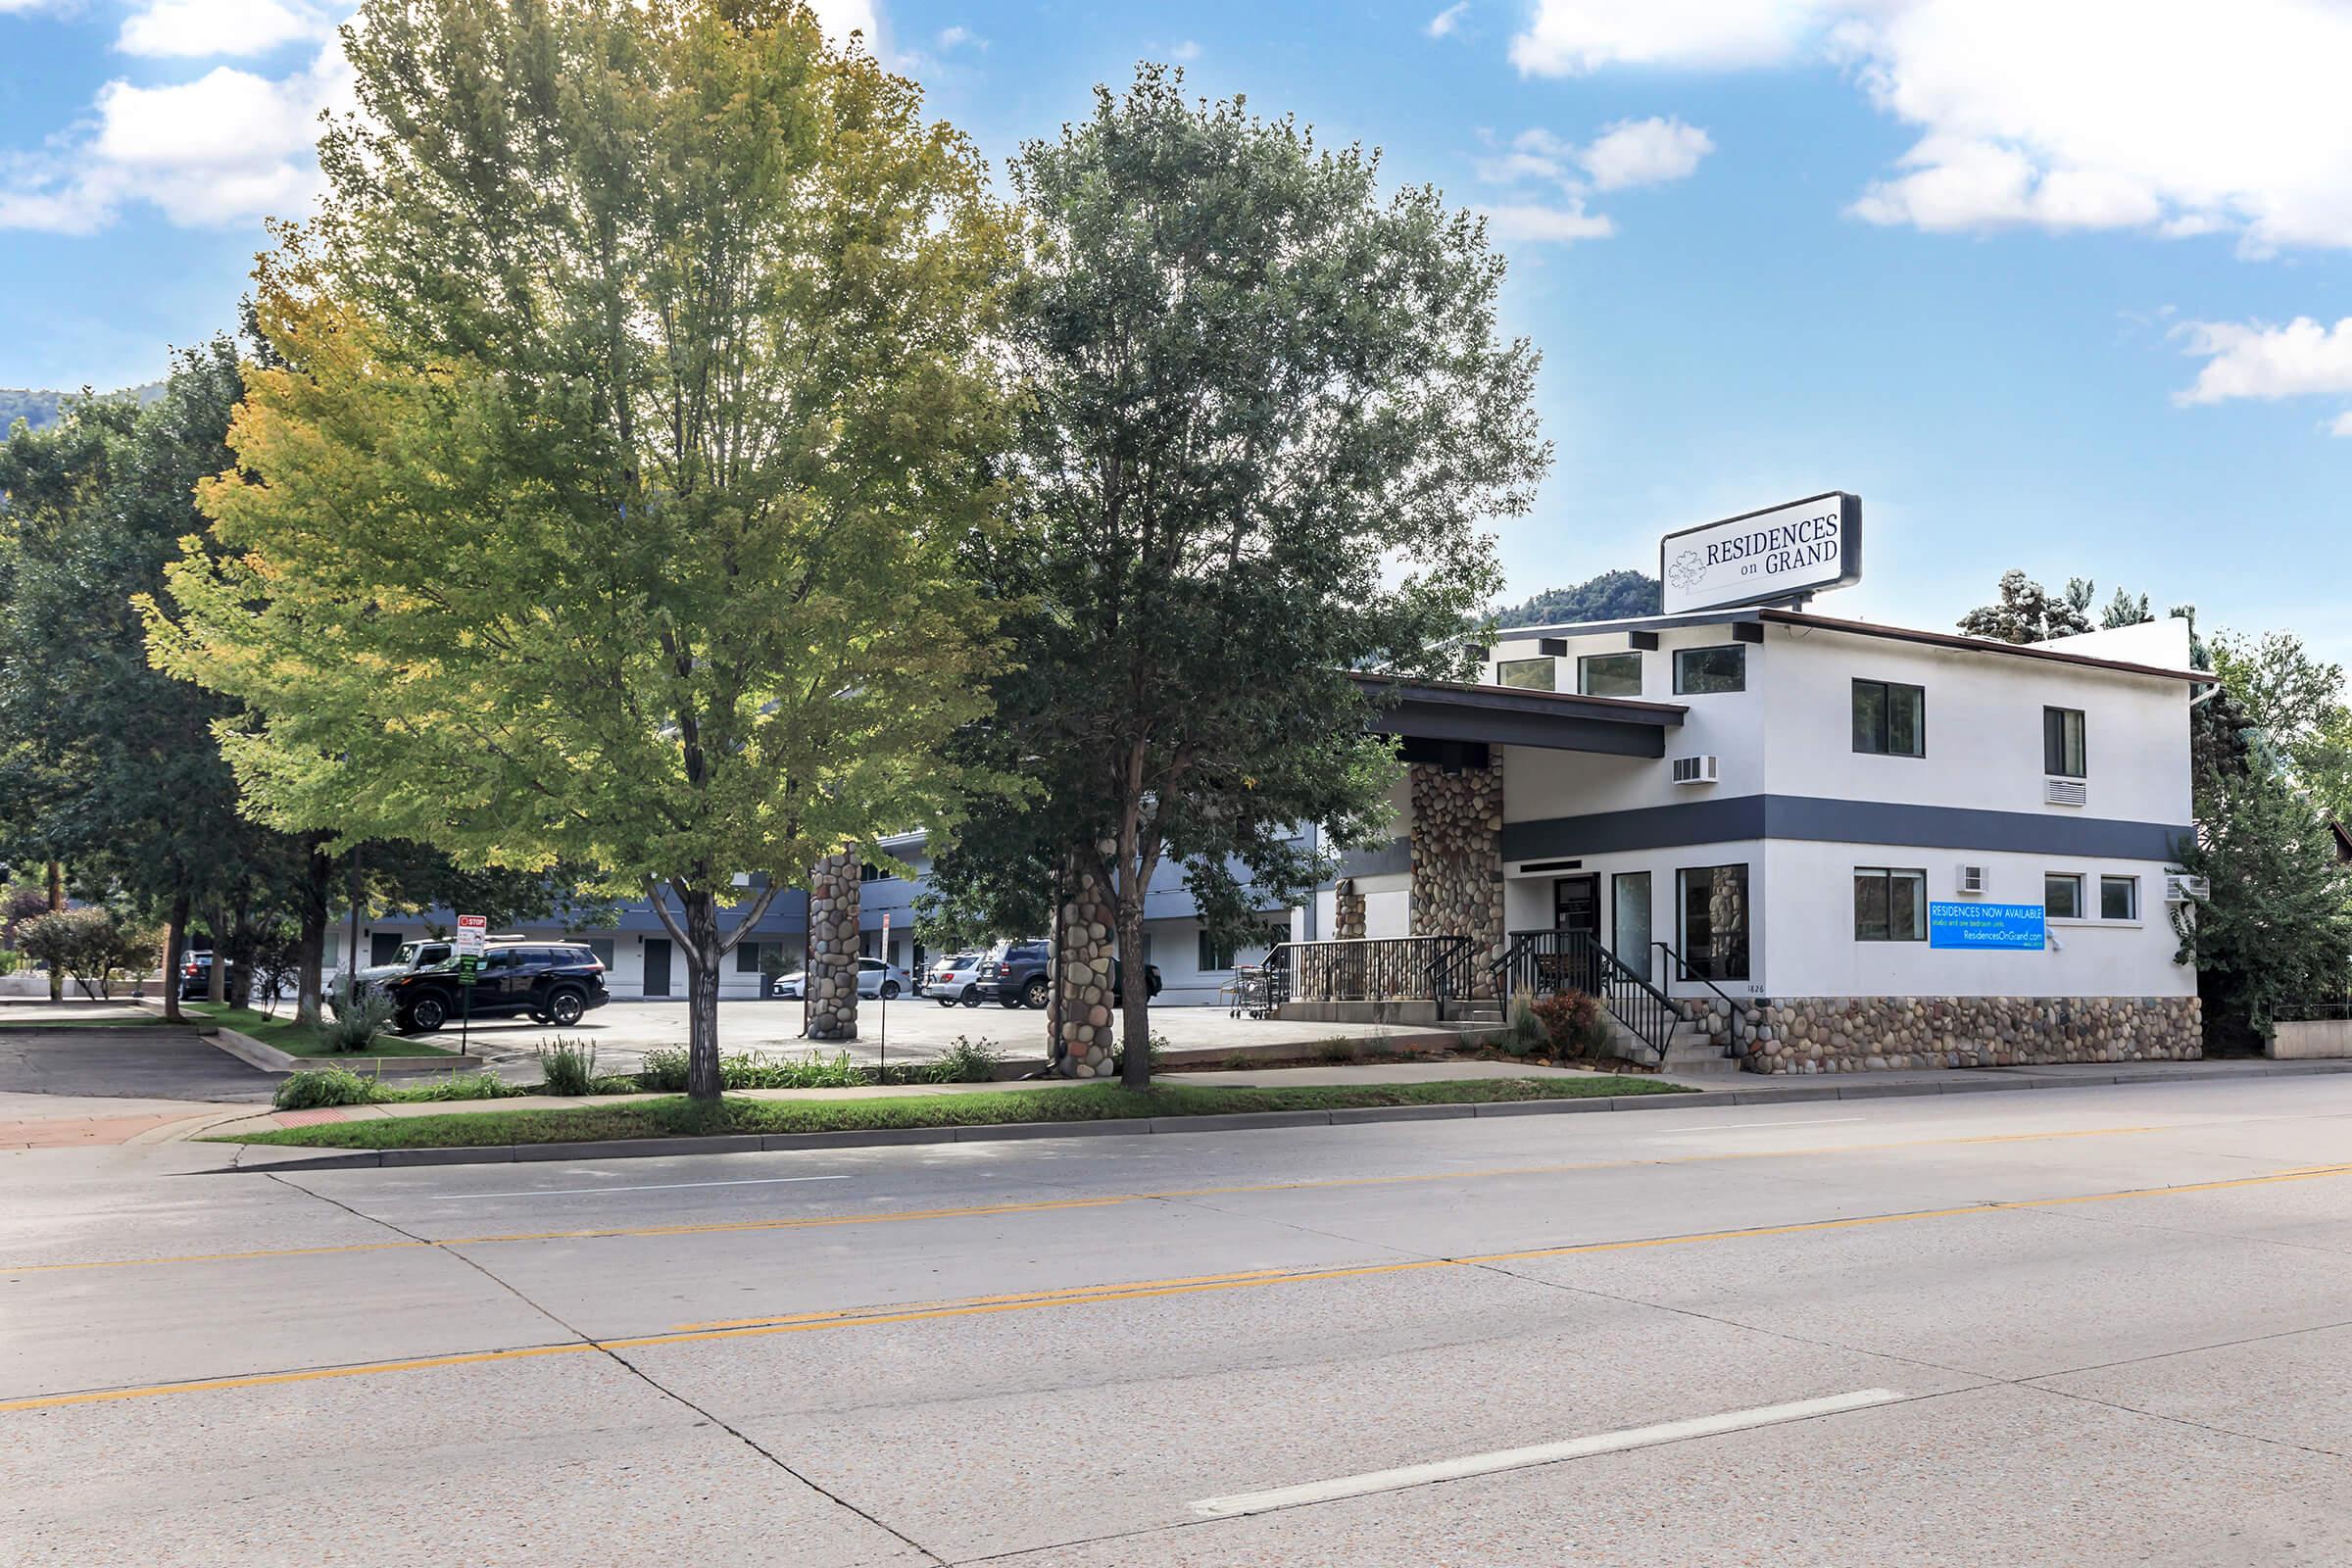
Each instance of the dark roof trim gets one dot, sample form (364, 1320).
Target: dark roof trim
(1502, 715)
(2343, 841)
(1857, 628)
(1502, 698)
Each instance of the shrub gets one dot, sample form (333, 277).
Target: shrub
(1575, 1023)
(1336, 1051)
(325, 1086)
(966, 1061)
(663, 1071)
(11, 961)
(91, 945)
(357, 1023)
(456, 1086)
(1524, 1033)
(1155, 1050)
(568, 1067)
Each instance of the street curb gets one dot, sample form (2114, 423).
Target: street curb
(1141, 1126)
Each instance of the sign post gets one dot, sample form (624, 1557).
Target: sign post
(882, 995)
(1785, 552)
(473, 933)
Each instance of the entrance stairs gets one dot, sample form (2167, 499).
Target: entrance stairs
(1690, 1052)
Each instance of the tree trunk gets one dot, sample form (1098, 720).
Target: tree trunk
(309, 981)
(57, 902)
(702, 954)
(1135, 992)
(217, 986)
(176, 946)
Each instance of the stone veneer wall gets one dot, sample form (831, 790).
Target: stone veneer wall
(1089, 1011)
(1863, 1034)
(832, 979)
(1457, 853)
(1348, 913)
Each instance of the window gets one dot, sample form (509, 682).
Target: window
(2062, 752)
(1890, 720)
(2062, 896)
(601, 948)
(746, 957)
(1216, 957)
(1528, 675)
(2119, 898)
(1714, 902)
(1698, 672)
(1609, 675)
(1890, 904)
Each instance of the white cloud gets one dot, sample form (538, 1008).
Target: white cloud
(2342, 424)
(841, 18)
(1541, 224)
(2248, 360)
(200, 27)
(2178, 117)
(951, 39)
(1189, 50)
(1644, 152)
(228, 147)
(1444, 21)
(1575, 37)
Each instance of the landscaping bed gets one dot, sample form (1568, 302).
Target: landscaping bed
(680, 1117)
(295, 1039)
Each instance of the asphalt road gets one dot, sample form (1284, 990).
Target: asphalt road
(2074, 1326)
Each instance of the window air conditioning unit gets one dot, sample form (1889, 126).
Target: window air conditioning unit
(1698, 769)
(2180, 888)
(1974, 880)
(2064, 790)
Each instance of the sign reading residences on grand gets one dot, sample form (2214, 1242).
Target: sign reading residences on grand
(1758, 558)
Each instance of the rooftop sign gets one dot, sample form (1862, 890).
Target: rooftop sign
(1783, 551)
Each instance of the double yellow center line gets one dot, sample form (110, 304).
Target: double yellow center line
(1131, 1290)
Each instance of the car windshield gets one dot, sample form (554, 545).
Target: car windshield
(411, 954)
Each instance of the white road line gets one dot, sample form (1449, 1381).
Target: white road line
(1481, 1464)
(650, 1187)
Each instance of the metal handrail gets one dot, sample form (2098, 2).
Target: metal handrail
(1438, 968)
(1546, 963)
(1686, 972)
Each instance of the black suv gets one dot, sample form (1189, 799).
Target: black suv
(1019, 974)
(552, 983)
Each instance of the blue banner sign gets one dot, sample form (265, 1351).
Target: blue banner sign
(2016, 926)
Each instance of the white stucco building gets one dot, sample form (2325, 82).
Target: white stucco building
(1878, 843)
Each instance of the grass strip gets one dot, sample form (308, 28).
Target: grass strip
(30, 1025)
(680, 1117)
(301, 1039)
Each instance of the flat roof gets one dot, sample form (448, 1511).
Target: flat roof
(1766, 615)
(1512, 716)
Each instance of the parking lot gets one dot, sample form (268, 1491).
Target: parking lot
(911, 1028)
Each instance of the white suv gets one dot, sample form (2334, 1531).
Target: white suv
(954, 980)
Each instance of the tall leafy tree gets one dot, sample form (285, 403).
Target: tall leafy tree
(604, 509)
(2298, 710)
(2028, 612)
(1268, 408)
(115, 768)
(1611, 596)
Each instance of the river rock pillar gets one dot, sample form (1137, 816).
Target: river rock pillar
(832, 978)
(1458, 852)
(1087, 994)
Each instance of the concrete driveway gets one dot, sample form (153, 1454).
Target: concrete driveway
(137, 1061)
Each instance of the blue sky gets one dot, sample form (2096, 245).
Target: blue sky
(2049, 284)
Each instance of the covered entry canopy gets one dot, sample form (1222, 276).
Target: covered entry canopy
(1438, 719)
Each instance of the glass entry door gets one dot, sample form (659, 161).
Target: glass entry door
(1629, 921)
(1576, 912)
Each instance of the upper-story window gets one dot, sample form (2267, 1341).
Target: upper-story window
(1528, 675)
(1609, 675)
(2062, 748)
(1701, 670)
(1890, 720)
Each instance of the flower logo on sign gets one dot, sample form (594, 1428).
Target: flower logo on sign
(1685, 570)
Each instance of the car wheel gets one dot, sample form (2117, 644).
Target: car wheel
(564, 1008)
(1008, 999)
(890, 991)
(426, 1015)
(947, 1002)
(537, 1017)
(1033, 995)
(971, 996)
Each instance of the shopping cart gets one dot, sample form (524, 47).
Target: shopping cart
(1248, 993)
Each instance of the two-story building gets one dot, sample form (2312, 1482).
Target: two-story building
(1855, 845)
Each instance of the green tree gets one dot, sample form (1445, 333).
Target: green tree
(2296, 709)
(116, 768)
(1268, 408)
(636, 401)
(2124, 609)
(2028, 612)
(1611, 596)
